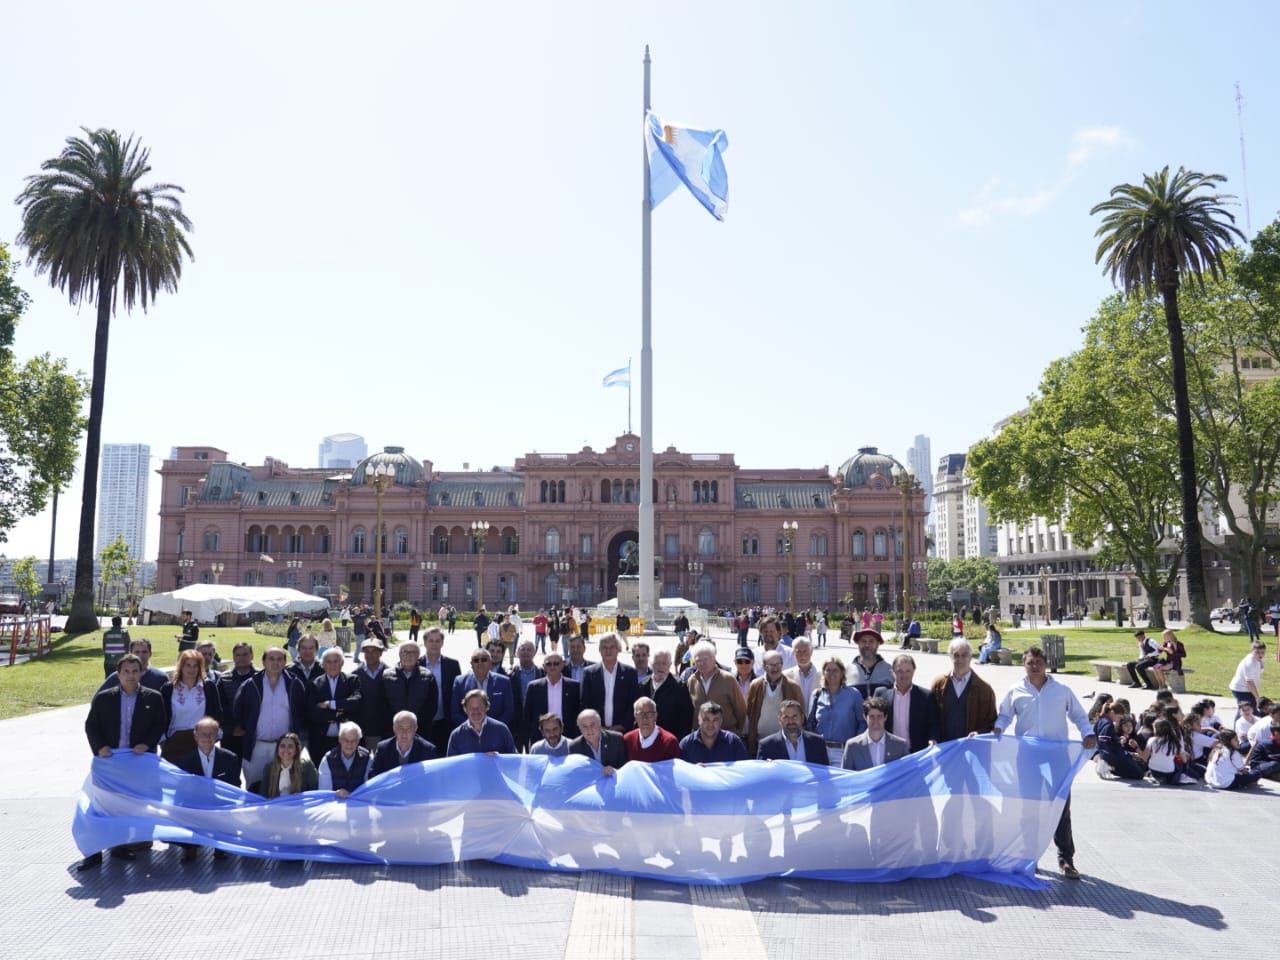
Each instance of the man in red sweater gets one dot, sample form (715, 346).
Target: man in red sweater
(648, 742)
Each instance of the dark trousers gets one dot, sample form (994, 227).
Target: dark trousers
(1062, 837)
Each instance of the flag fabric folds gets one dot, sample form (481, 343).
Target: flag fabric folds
(983, 807)
(680, 154)
(618, 378)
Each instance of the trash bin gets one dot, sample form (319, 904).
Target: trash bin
(1055, 651)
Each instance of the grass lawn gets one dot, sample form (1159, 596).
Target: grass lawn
(1213, 656)
(73, 671)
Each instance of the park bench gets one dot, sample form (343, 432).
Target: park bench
(1177, 681)
(1110, 671)
(926, 644)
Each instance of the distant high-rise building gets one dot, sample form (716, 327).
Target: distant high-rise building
(123, 476)
(963, 529)
(342, 450)
(920, 460)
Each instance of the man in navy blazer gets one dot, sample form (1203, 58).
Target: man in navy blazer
(102, 727)
(606, 746)
(616, 712)
(919, 726)
(537, 696)
(411, 687)
(403, 748)
(208, 759)
(335, 698)
(502, 702)
(793, 741)
(445, 670)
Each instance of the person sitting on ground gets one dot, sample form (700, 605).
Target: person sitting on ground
(1118, 753)
(1265, 755)
(1207, 711)
(1165, 759)
(1244, 721)
(1199, 743)
(1101, 707)
(290, 771)
(1226, 769)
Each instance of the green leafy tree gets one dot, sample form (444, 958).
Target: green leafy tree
(1153, 234)
(26, 578)
(104, 237)
(40, 418)
(117, 564)
(1094, 449)
(1233, 358)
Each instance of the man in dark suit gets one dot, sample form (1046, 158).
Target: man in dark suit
(373, 715)
(793, 741)
(875, 746)
(335, 697)
(209, 760)
(306, 668)
(604, 746)
(522, 673)
(410, 687)
(127, 716)
(403, 747)
(479, 677)
(228, 685)
(554, 693)
(912, 712)
(675, 706)
(597, 680)
(445, 670)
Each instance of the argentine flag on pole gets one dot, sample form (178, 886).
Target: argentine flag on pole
(679, 154)
(618, 378)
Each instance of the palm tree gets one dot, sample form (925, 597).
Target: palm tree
(103, 237)
(1152, 234)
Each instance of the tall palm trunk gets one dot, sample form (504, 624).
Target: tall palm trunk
(1192, 561)
(83, 618)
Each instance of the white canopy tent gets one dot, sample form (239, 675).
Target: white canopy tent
(207, 600)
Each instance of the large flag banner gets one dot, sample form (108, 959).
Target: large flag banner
(680, 154)
(618, 378)
(984, 807)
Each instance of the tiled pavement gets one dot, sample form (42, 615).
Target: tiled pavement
(1167, 872)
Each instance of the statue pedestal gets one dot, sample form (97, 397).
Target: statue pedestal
(628, 586)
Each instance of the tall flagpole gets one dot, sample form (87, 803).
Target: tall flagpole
(647, 605)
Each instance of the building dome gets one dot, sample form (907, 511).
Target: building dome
(868, 461)
(408, 470)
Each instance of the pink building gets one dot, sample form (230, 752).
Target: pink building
(558, 528)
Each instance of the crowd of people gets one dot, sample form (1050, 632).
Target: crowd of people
(286, 727)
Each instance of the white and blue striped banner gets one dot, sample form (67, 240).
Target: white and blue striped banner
(982, 807)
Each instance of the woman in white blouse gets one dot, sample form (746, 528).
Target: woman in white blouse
(188, 697)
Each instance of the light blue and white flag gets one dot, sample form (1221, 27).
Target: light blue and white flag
(618, 378)
(984, 807)
(680, 154)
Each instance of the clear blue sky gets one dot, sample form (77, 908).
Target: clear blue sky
(420, 222)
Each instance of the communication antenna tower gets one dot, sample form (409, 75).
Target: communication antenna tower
(1244, 169)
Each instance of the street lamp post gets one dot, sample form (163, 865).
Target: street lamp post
(1044, 592)
(789, 528)
(479, 534)
(815, 569)
(381, 477)
(563, 568)
(184, 570)
(695, 568)
(905, 481)
(427, 567)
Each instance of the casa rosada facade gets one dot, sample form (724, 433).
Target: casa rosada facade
(558, 528)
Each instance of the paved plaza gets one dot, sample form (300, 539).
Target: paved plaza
(1167, 871)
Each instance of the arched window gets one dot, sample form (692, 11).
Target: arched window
(439, 540)
(551, 541)
(402, 541)
(859, 545)
(697, 492)
(628, 491)
(859, 590)
(617, 491)
(358, 540)
(751, 545)
(706, 542)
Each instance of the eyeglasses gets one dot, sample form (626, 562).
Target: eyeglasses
(480, 660)
(553, 663)
(646, 713)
